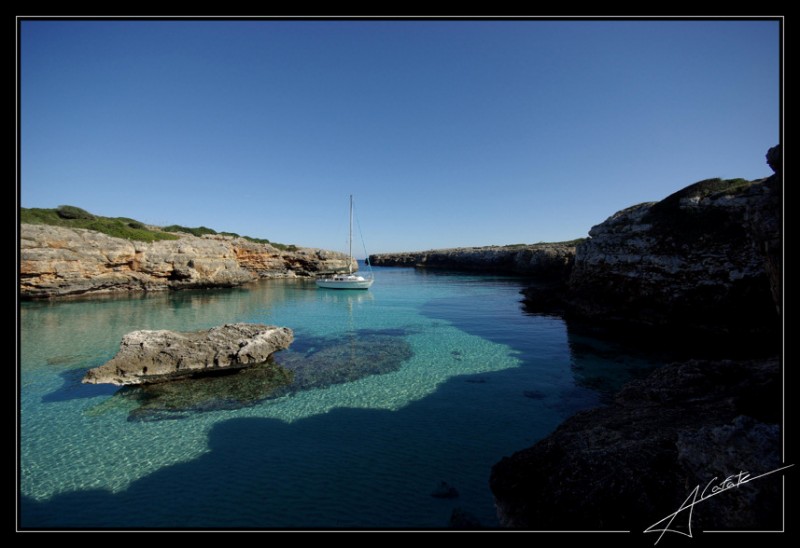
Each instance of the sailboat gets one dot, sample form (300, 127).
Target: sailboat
(349, 280)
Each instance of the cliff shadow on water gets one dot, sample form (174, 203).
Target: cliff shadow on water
(696, 277)
(601, 360)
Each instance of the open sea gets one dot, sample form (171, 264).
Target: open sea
(412, 389)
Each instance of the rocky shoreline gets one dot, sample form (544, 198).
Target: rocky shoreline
(57, 261)
(700, 271)
(544, 261)
(627, 465)
(707, 258)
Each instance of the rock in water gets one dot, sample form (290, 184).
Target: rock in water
(156, 356)
(461, 519)
(445, 491)
(629, 464)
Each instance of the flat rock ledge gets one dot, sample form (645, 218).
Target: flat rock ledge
(156, 356)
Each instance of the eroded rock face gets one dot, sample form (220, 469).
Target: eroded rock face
(701, 266)
(541, 260)
(154, 356)
(706, 257)
(57, 261)
(630, 464)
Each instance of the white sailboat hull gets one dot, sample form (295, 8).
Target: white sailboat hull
(349, 280)
(345, 282)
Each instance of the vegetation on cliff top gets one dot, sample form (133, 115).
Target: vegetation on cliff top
(122, 227)
(574, 242)
(703, 189)
(75, 217)
(201, 230)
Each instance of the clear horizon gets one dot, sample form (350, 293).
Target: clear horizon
(448, 133)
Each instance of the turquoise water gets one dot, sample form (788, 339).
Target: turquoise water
(446, 375)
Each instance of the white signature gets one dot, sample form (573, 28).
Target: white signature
(731, 482)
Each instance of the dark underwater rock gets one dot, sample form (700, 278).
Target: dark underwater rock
(627, 465)
(461, 519)
(225, 390)
(445, 491)
(324, 362)
(346, 359)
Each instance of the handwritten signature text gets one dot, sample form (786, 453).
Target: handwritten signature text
(712, 489)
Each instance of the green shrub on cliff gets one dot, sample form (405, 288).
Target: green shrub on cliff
(122, 227)
(700, 190)
(75, 217)
(38, 216)
(575, 242)
(258, 240)
(198, 231)
(282, 247)
(72, 212)
(129, 231)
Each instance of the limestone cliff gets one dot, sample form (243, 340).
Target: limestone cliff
(701, 266)
(57, 261)
(707, 258)
(697, 258)
(541, 260)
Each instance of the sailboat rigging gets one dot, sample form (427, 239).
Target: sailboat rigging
(349, 280)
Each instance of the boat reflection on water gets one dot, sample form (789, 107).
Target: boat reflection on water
(349, 297)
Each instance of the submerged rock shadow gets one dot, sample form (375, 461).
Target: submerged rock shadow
(72, 389)
(335, 470)
(316, 362)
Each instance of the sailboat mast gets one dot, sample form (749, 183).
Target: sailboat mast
(350, 252)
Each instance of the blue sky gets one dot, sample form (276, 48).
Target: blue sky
(448, 133)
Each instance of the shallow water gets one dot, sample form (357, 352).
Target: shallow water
(439, 376)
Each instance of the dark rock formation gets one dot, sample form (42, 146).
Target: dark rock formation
(57, 261)
(705, 259)
(346, 359)
(445, 491)
(774, 158)
(544, 261)
(155, 356)
(694, 259)
(701, 270)
(461, 519)
(628, 465)
(764, 222)
(225, 389)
